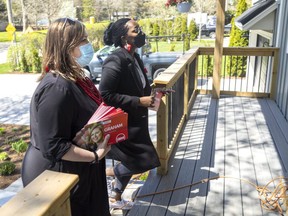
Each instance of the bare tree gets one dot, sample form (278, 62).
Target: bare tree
(208, 6)
(3, 11)
(24, 15)
(32, 10)
(108, 8)
(52, 8)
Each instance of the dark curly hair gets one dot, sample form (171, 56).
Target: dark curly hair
(115, 31)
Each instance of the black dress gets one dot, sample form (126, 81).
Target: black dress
(59, 109)
(121, 86)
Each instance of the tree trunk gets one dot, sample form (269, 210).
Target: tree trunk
(24, 16)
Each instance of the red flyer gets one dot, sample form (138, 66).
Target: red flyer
(157, 99)
(105, 120)
(158, 93)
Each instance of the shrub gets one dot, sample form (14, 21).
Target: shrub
(208, 65)
(193, 31)
(4, 156)
(187, 43)
(19, 146)
(235, 65)
(155, 29)
(96, 33)
(147, 26)
(2, 131)
(177, 28)
(26, 56)
(162, 28)
(172, 48)
(205, 66)
(7, 168)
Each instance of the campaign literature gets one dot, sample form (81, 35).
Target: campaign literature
(105, 120)
(158, 94)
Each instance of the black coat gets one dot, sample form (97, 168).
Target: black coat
(121, 86)
(59, 109)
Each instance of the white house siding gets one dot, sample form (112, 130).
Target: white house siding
(278, 38)
(256, 38)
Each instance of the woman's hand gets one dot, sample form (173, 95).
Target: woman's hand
(146, 101)
(103, 148)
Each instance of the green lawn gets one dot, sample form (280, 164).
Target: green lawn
(7, 37)
(4, 68)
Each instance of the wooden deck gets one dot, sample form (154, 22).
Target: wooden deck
(235, 137)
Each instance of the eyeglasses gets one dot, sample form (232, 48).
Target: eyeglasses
(69, 20)
(137, 29)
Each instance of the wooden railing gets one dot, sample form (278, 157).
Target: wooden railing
(245, 71)
(181, 76)
(47, 195)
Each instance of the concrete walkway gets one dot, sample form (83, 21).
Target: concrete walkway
(16, 91)
(4, 51)
(15, 95)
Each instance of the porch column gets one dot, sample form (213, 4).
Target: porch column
(218, 51)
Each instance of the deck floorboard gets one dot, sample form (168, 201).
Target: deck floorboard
(242, 140)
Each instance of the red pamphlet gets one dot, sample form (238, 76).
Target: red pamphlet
(105, 120)
(158, 94)
(157, 99)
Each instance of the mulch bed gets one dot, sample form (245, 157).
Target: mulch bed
(10, 133)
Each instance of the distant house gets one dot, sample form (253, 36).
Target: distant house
(118, 14)
(267, 21)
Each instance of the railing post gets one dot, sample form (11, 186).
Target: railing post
(162, 136)
(186, 90)
(196, 73)
(274, 75)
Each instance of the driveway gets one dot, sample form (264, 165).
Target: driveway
(3, 51)
(16, 91)
(15, 95)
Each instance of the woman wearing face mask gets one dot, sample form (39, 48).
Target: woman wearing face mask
(124, 84)
(61, 105)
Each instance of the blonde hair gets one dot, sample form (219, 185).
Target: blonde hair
(63, 36)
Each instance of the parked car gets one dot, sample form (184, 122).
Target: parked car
(154, 63)
(43, 23)
(95, 66)
(210, 30)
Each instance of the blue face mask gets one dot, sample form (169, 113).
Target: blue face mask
(87, 53)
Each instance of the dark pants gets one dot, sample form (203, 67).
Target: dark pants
(123, 176)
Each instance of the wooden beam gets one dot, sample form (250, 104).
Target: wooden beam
(46, 195)
(218, 51)
(241, 51)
